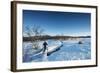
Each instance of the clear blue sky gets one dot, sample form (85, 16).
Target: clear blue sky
(57, 23)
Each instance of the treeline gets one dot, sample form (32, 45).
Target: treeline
(46, 37)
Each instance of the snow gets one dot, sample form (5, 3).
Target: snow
(52, 48)
(30, 53)
(70, 50)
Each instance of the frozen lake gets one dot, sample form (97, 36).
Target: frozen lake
(71, 50)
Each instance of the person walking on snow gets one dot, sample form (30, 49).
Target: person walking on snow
(44, 46)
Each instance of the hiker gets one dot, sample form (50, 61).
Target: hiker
(44, 46)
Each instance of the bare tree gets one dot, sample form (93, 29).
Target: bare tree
(34, 30)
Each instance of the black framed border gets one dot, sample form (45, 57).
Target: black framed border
(14, 35)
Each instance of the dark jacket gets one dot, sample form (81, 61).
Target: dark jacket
(44, 45)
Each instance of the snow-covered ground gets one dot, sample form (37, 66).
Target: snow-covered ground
(71, 50)
(29, 53)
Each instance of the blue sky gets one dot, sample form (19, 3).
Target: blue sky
(57, 23)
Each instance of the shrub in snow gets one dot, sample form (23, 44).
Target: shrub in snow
(80, 42)
(35, 45)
